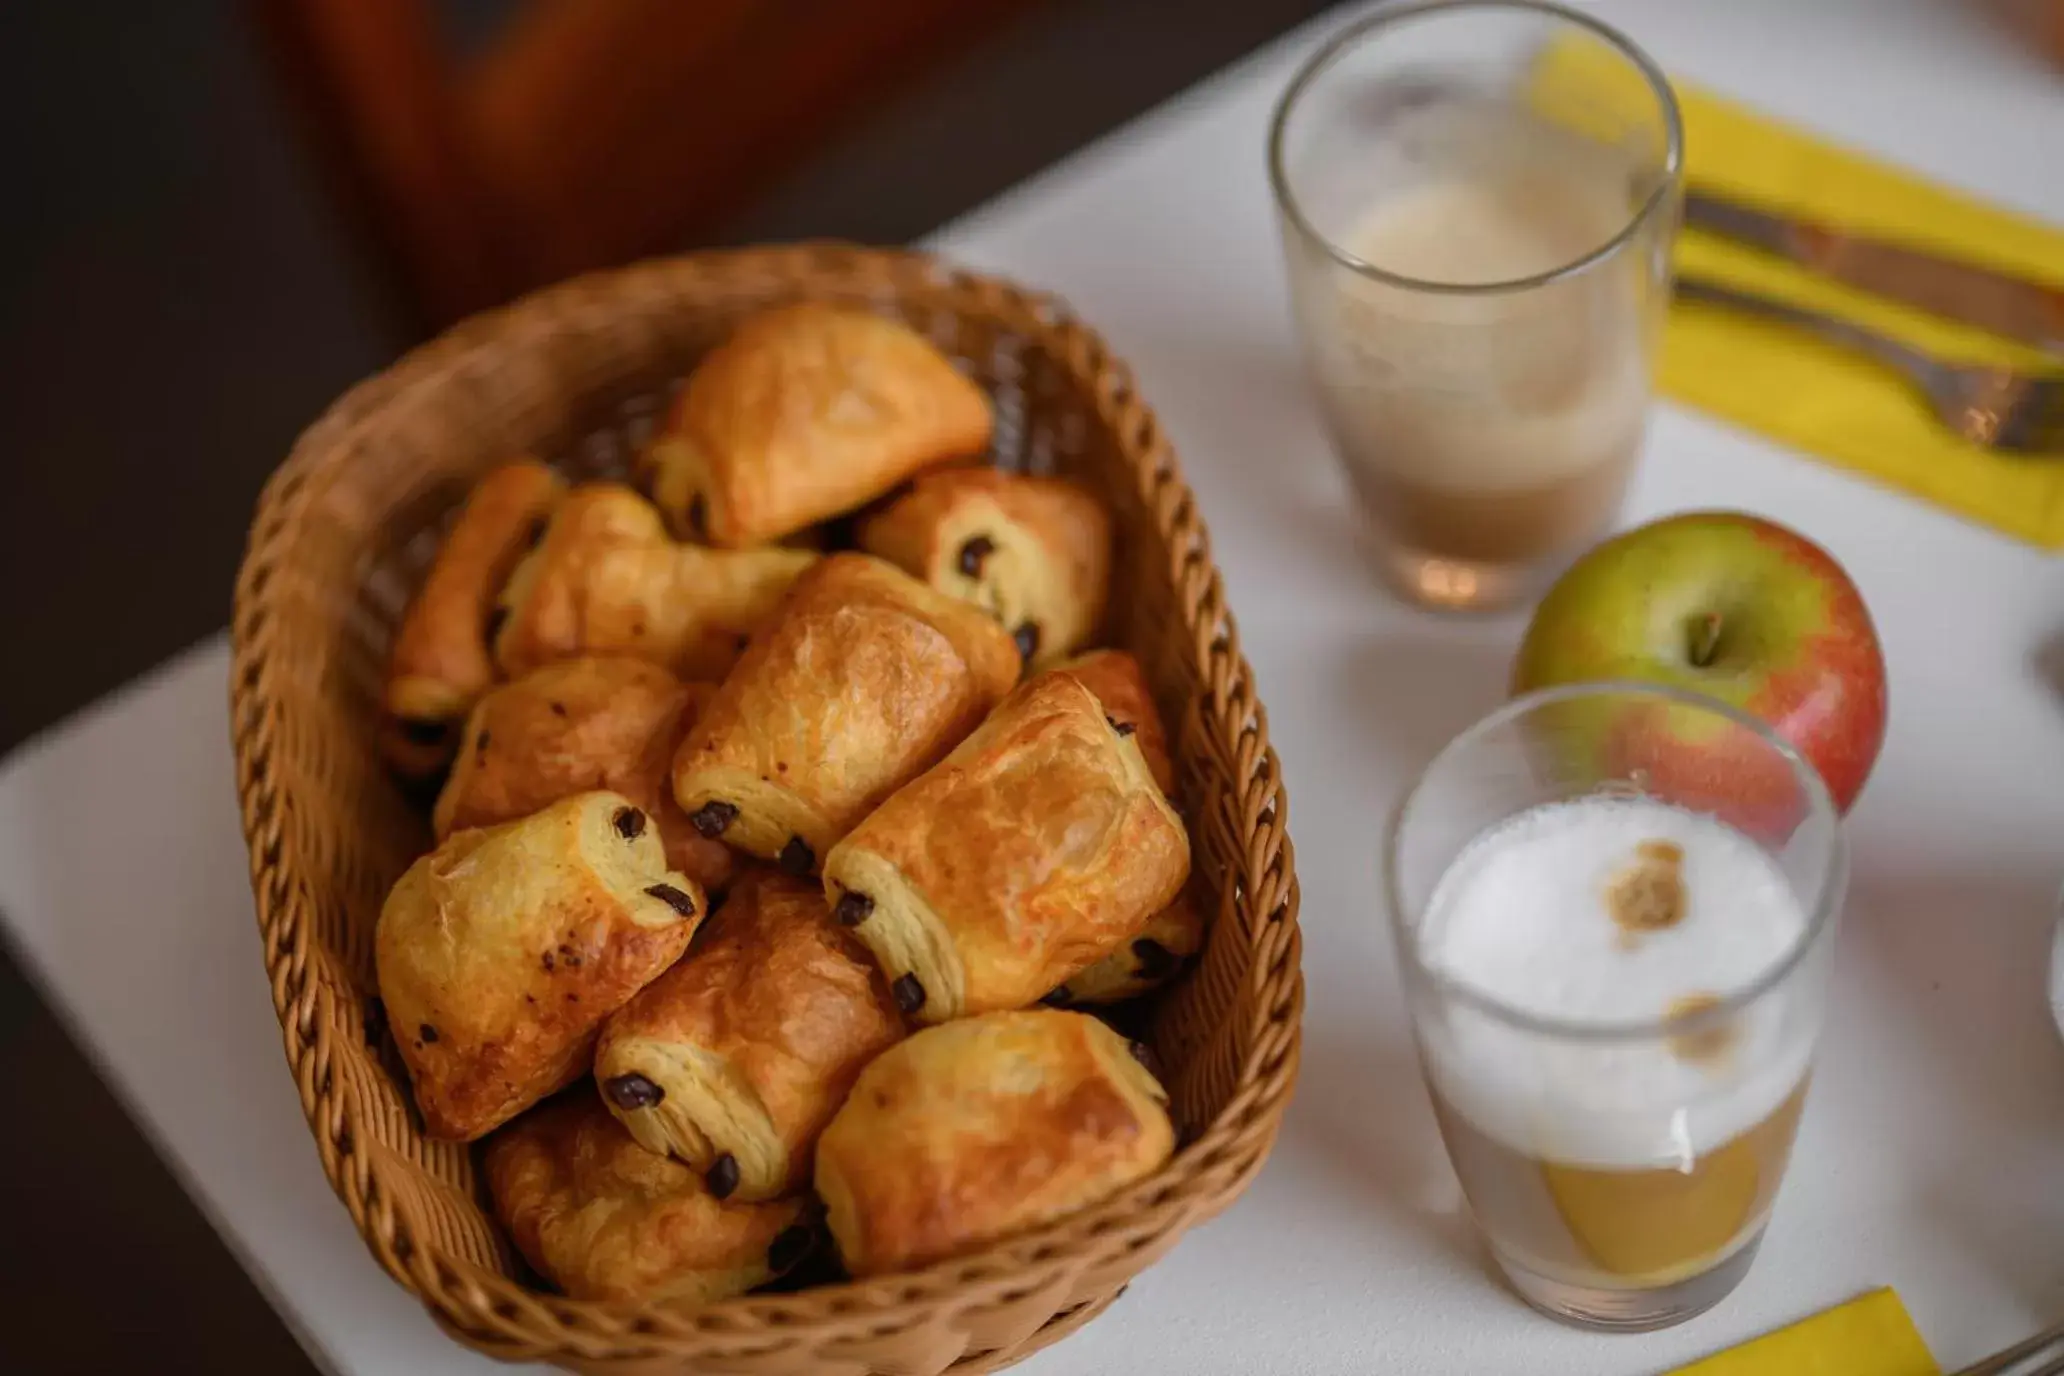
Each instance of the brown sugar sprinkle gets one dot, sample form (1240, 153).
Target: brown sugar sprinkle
(1704, 1044)
(1649, 895)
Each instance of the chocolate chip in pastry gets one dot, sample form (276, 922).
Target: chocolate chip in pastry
(983, 1127)
(1035, 553)
(604, 1219)
(606, 580)
(1120, 684)
(500, 953)
(1037, 846)
(734, 1060)
(576, 726)
(1142, 963)
(866, 679)
(418, 753)
(440, 663)
(805, 412)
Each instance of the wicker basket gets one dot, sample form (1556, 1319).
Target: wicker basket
(341, 534)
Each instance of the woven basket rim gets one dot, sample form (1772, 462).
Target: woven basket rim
(1205, 1174)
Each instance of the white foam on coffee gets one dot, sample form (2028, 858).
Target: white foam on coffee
(1521, 916)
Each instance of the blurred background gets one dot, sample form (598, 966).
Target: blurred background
(223, 212)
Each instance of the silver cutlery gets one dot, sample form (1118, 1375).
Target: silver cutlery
(1933, 281)
(1999, 408)
(2041, 1355)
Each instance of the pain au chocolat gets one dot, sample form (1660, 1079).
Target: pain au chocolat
(1035, 553)
(982, 1127)
(500, 953)
(607, 580)
(734, 1060)
(1144, 961)
(440, 663)
(576, 726)
(805, 412)
(604, 1219)
(1120, 684)
(865, 680)
(1172, 937)
(1031, 851)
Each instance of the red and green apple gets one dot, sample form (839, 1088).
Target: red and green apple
(1737, 608)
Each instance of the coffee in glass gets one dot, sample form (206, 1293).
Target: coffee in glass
(1479, 283)
(1616, 993)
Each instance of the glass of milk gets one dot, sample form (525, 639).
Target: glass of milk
(1477, 201)
(1614, 906)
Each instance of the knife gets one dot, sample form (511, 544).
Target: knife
(2032, 312)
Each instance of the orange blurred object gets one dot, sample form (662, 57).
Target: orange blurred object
(589, 132)
(2039, 20)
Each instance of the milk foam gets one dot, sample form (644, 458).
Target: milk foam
(1521, 916)
(1481, 229)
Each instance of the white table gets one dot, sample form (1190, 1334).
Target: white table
(1933, 1155)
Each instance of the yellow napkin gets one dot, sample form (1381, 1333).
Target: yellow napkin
(1784, 383)
(1869, 1336)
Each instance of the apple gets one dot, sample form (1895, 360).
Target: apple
(1740, 609)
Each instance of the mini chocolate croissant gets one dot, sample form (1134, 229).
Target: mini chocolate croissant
(576, 726)
(1036, 847)
(604, 1219)
(606, 580)
(1035, 553)
(500, 953)
(805, 412)
(1120, 684)
(440, 664)
(1142, 963)
(1172, 937)
(866, 679)
(734, 1060)
(966, 1133)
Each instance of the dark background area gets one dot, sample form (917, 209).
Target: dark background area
(178, 298)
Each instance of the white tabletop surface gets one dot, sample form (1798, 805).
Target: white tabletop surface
(1932, 1156)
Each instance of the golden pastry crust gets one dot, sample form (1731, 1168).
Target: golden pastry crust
(604, 1219)
(865, 681)
(574, 727)
(500, 953)
(1173, 937)
(1160, 951)
(440, 662)
(734, 1060)
(606, 580)
(984, 1127)
(1120, 684)
(1038, 845)
(1035, 553)
(805, 412)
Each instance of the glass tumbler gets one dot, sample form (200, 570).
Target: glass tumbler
(1617, 1081)
(1477, 201)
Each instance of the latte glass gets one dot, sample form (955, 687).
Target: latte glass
(1621, 1159)
(1477, 201)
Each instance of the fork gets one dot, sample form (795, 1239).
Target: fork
(2041, 1355)
(1999, 408)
